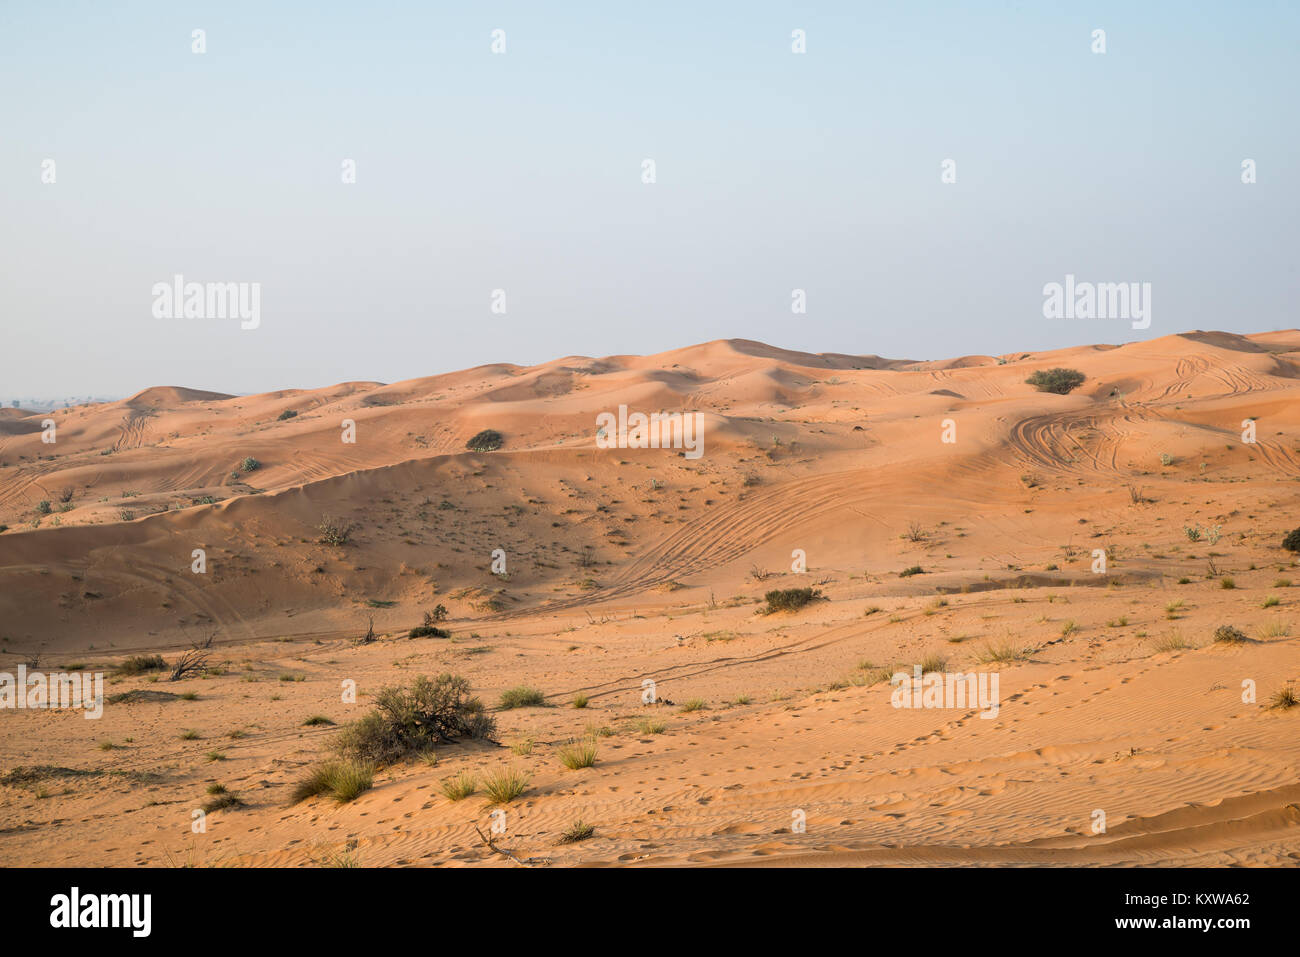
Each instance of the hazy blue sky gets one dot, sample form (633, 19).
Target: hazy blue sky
(522, 172)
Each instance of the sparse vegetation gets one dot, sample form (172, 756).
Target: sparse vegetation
(1229, 635)
(140, 664)
(579, 754)
(408, 721)
(489, 440)
(505, 785)
(250, 464)
(789, 599)
(343, 780)
(576, 832)
(1058, 380)
(334, 531)
(522, 697)
(460, 786)
(913, 570)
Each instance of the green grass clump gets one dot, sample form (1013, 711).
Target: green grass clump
(410, 721)
(789, 599)
(505, 785)
(139, 664)
(489, 440)
(1229, 635)
(522, 697)
(460, 786)
(1058, 381)
(576, 832)
(343, 780)
(578, 754)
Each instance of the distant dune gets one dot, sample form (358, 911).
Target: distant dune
(625, 564)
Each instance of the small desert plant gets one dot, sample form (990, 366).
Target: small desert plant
(438, 614)
(316, 720)
(913, 570)
(1069, 628)
(789, 599)
(139, 664)
(1272, 601)
(1227, 582)
(694, 704)
(933, 662)
(459, 787)
(576, 832)
(334, 531)
(651, 726)
(43, 507)
(1174, 641)
(250, 464)
(221, 799)
(428, 631)
(505, 785)
(1003, 652)
(411, 721)
(343, 780)
(578, 754)
(286, 414)
(1273, 629)
(1059, 381)
(522, 697)
(1292, 541)
(1229, 635)
(1284, 699)
(489, 440)
(580, 700)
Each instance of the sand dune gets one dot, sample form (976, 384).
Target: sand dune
(628, 564)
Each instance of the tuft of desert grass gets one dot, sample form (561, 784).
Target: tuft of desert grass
(651, 726)
(1273, 629)
(1174, 641)
(580, 700)
(505, 785)
(343, 780)
(522, 697)
(460, 786)
(1003, 652)
(1284, 700)
(576, 832)
(694, 704)
(578, 754)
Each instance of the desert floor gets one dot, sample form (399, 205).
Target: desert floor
(631, 564)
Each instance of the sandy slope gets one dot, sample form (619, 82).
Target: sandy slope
(633, 564)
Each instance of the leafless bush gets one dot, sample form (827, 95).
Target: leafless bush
(335, 531)
(194, 661)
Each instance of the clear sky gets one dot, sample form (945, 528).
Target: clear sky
(522, 171)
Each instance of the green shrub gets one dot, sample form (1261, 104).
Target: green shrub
(1292, 541)
(410, 721)
(789, 599)
(1059, 381)
(522, 697)
(286, 414)
(1229, 634)
(913, 570)
(504, 786)
(428, 631)
(139, 664)
(489, 440)
(343, 780)
(250, 464)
